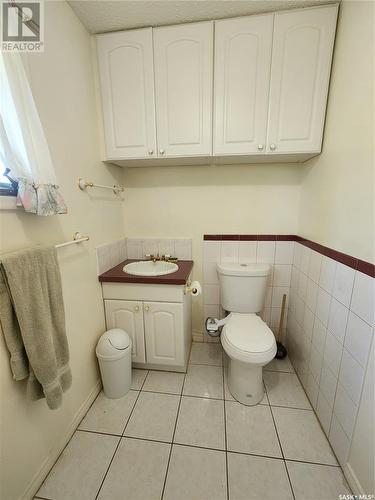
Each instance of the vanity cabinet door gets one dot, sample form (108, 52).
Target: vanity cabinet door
(242, 73)
(127, 88)
(127, 315)
(301, 64)
(183, 87)
(164, 333)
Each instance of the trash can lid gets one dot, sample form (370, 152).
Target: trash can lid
(113, 343)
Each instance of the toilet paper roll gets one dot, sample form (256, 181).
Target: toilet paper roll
(195, 288)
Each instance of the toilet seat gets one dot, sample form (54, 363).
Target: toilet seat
(247, 338)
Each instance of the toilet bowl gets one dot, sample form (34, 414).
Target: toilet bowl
(249, 345)
(247, 340)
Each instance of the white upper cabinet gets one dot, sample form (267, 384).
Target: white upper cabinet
(243, 49)
(301, 63)
(270, 89)
(127, 88)
(183, 57)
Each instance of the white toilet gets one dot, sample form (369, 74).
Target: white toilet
(246, 338)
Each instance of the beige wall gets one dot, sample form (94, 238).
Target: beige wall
(337, 197)
(191, 201)
(62, 85)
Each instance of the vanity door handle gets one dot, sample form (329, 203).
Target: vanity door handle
(136, 308)
(147, 308)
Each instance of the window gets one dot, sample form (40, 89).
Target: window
(8, 187)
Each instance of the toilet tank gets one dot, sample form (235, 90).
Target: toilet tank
(243, 286)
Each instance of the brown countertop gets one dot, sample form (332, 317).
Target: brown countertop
(117, 275)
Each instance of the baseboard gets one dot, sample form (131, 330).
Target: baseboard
(353, 481)
(53, 456)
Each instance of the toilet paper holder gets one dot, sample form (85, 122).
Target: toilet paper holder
(193, 288)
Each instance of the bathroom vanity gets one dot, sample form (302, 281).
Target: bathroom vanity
(156, 313)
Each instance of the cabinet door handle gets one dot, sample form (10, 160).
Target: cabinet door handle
(161, 151)
(272, 147)
(150, 151)
(136, 308)
(147, 308)
(260, 147)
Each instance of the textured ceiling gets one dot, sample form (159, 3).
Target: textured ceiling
(99, 16)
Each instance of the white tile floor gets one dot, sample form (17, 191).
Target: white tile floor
(173, 436)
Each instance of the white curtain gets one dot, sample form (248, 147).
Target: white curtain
(24, 149)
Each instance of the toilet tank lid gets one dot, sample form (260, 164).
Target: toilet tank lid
(243, 269)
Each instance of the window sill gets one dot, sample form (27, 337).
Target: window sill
(8, 202)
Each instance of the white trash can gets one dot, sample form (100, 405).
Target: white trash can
(113, 351)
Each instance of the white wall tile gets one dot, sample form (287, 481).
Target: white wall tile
(315, 365)
(312, 390)
(327, 274)
(229, 251)
(332, 353)
(268, 299)
(123, 250)
(211, 295)
(324, 411)
(311, 295)
(266, 252)
(210, 273)
(338, 318)
(247, 251)
(294, 278)
(343, 284)
(115, 253)
(314, 266)
(300, 310)
(339, 441)
(302, 285)
(363, 298)
(275, 316)
(211, 311)
(345, 411)
(319, 335)
(282, 275)
(211, 251)
(149, 246)
(297, 255)
(328, 384)
(322, 306)
(166, 247)
(305, 259)
(351, 376)
(308, 323)
(134, 248)
(284, 252)
(358, 338)
(183, 249)
(103, 259)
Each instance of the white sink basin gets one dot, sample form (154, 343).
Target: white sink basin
(149, 268)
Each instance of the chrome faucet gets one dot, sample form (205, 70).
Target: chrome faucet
(163, 258)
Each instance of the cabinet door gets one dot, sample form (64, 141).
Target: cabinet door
(301, 64)
(242, 73)
(183, 87)
(164, 333)
(127, 87)
(127, 315)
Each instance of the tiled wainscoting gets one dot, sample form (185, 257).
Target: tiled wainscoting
(279, 254)
(330, 319)
(112, 254)
(330, 329)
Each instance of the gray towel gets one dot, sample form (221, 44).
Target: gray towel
(33, 322)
